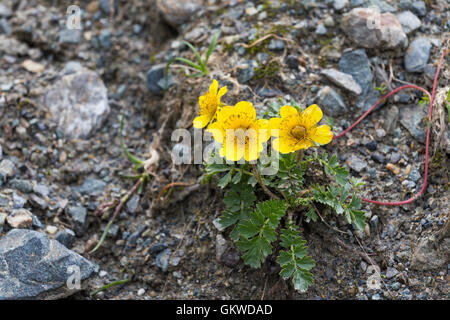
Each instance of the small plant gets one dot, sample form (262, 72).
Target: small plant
(381, 89)
(201, 63)
(262, 219)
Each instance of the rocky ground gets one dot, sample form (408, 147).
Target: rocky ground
(62, 93)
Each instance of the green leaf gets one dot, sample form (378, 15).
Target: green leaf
(258, 231)
(225, 180)
(201, 66)
(189, 62)
(212, 46)
(294, 262)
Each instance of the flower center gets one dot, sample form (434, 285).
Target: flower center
(298, 132)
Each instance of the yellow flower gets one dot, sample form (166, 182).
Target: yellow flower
(299, 130)
(239, 132)
(209, 105)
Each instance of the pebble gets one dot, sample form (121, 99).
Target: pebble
(356, 64)
(92, 187)
(247, 72)
(419, 8)
(396, 286)
(321, 29)
(391, 272)
(378, 157)
(51, 230)
(156, 81)
(339, 4)
(162, 259)
(141, 292)
(5, 11)
(7, 169)
(356, 163)
(393, 168)
(292, 62)
(177, 12)
(371, 145)
(78, 103)
(20, 218)
(331, 102)
(411, 118)
(79, 216)
(414, 175)
(22, 185)
(19, 202)
(409, 21)
(370, 29)
(5, 27)
(343, 80)
(417, 55)
(276, 45)
(66, 237)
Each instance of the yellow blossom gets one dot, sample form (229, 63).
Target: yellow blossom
(241, 135)
(299, 130)
(209, 105)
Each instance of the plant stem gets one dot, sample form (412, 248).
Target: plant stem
(258, 177)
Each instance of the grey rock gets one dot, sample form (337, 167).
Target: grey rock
(71, 67)
(395, 157)
(133, 203)
(408, 21)
(156, 81)
(247, 71)
(356, 163)
(19, 202)
(429, 254)
(5, 11)
(105, 38)
(276, 45)
(331, 102)
(263, 57)
(417, 55)
(66, 237)
(105, 6)
(5, 27)
(321, 29)
(414, 175)
(12, 47)
(92, 187)
(396, 286)
(369, 29)
(34, 267)
(178, 12)
(343, 80)
(2, 219)
(137, 28)
(221, 246)
(390, 121)
(157, 248)
(374, 221)
(70, 36)
(78, 103)
(22, 185)
(391, 272)
(430, 71)
(357, 65)
(376, 296)
(412, 119)
(162, 259)
(35, 222)
(38, 202)
(41, 190)
(7, 169)
(79, 216)
(419, 8)
(382, 6)
(409, 184)
(378, 157)
(339, 4)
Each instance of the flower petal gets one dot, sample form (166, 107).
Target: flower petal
(286, 111)
(201, 121)
(214, 87)
(217, 132)
(222, 91)
(311, 116)
(287, 145)
(247, 108)
(304, 144)
(321, 134)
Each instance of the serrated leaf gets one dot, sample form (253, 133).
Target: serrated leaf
(228, 218)
(302, 280)
(258, 231)
(225, 180)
